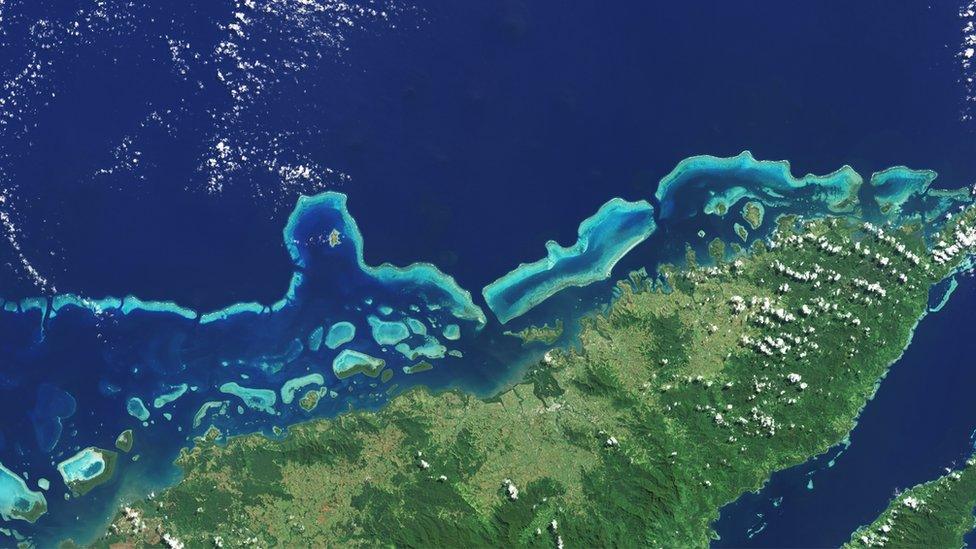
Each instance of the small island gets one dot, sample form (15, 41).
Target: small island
(17, 501)
(421, 366)
(753, 212)
(87, 469)
(125, 440)
(349, 363)
(539, 334)
(334, 238)
(740, 231)
(310, 400)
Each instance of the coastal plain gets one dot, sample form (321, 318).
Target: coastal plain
(688, 391)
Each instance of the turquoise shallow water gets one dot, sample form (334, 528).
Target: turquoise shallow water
(603, 240)
(85, 465)
(168, 371)
(15, 496)
(472, 132)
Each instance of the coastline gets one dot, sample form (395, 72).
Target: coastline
(310, 255)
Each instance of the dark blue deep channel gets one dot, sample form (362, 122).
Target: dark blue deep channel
(919, 422)
(472, 132)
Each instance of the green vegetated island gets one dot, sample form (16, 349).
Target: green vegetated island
(687, 392)
(934, 514)
(544, 334)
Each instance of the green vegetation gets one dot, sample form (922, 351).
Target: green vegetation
(29, 511)
(681, 397)
(125, 440)
(310, 400)
(350, 363)
(539, 334)
(716, 250)
(421, 366)
(935, 514)
(741, 231)
(81, 486)
(753, 213)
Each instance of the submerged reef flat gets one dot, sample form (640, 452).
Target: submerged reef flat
(714, 185)
(293, 386)
(683, 395)
(349, 363)
(430, 348)
(137, 409)
(901, 192)
(934, 514)
(257, 399)
(387, 332)
(585, 414)
(305, 227)
(603, 240)
(416, 327)
(87, 469)
(164, 372)
(52, 407)
(894, 186)
(218, 407)
(170, 395)
(233, 310)
(315, 339)
(17, 501)
(452, 332)
(718, 183)
(339, 334)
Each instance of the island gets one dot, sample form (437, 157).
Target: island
(87, 469)
(753, 213)
(544, 334)
(17, 501)
(349, 363)
(310, 400)
(125, 440)
(419, 367)
(934, 514)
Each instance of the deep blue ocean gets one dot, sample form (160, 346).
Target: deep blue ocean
(918, 423)
(465, 134)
